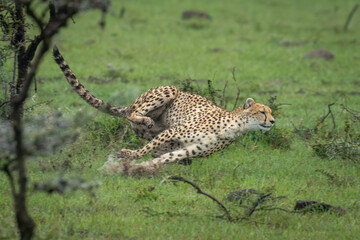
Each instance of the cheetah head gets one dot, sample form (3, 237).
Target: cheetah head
(259, 115)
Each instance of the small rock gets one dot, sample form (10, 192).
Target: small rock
(320, 53)
(216, 50)
(195, 14)
(291, 44)
(314, 206)
(300, 91)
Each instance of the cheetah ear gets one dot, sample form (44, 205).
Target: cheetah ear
(248, 103)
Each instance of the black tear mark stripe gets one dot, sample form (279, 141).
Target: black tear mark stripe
(265, 117)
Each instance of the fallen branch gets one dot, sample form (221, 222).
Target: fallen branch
(329, 113)
(258, 201)
(181, 179)
(351, 14)
(38, 104)
(352, 112)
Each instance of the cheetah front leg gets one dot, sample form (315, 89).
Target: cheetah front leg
(193, 150)
(160, 140)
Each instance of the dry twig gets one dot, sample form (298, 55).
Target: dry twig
(237, 88)
(351, 14)
(181, 179)
(352, 112)
(258, 201)
(329, 113)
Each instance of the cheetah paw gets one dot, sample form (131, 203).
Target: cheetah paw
(148, 122)
(127, 154)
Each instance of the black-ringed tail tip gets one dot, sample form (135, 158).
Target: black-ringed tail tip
(82, 91)
(58, 58)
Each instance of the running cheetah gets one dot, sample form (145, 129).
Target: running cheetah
(178, 125)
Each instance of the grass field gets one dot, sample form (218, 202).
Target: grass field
(150, 46)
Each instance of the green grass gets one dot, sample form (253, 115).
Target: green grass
(152, 46)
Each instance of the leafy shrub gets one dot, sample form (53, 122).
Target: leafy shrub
(344, 143)
(332, 142)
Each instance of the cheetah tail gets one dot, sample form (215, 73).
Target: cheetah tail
(83, 92)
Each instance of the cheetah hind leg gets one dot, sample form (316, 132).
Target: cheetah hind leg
(152, 100)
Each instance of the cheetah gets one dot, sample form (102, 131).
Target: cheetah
(178, 125)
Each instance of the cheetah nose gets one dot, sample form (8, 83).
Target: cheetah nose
(272, 121)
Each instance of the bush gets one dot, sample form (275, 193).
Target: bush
(332, 142)
(343, 144)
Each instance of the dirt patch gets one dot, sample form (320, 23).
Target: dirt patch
(195, 14)
(216, 50)
(291, 44)
(100, 80)
(320, 53)
(300, 91)
(344, 93)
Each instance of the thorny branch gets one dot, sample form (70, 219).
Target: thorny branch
(4, 103)
(32, 14)
(329, 113)
(12, 84)
(351, 14)
(237, 88)
(222, 101)
(177, 178)
(10, 176)
(258, 201)
(352, 112)
(38, 104)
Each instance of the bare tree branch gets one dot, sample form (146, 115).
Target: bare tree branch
(222, 101)
(351, 14)
(258, 201)
(38, 104)
(19, 43)
(11, 178)
(12, 84)
(177, 178)
(4, 103)
(237, 88)
(356, 115)
(329, 113)
(32, 14)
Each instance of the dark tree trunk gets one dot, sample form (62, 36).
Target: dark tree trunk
(19, 43)
(25, 223)
(16, 169)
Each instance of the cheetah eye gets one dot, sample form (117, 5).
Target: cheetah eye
(263, 112)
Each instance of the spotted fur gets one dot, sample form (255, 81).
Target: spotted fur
(179, 125)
